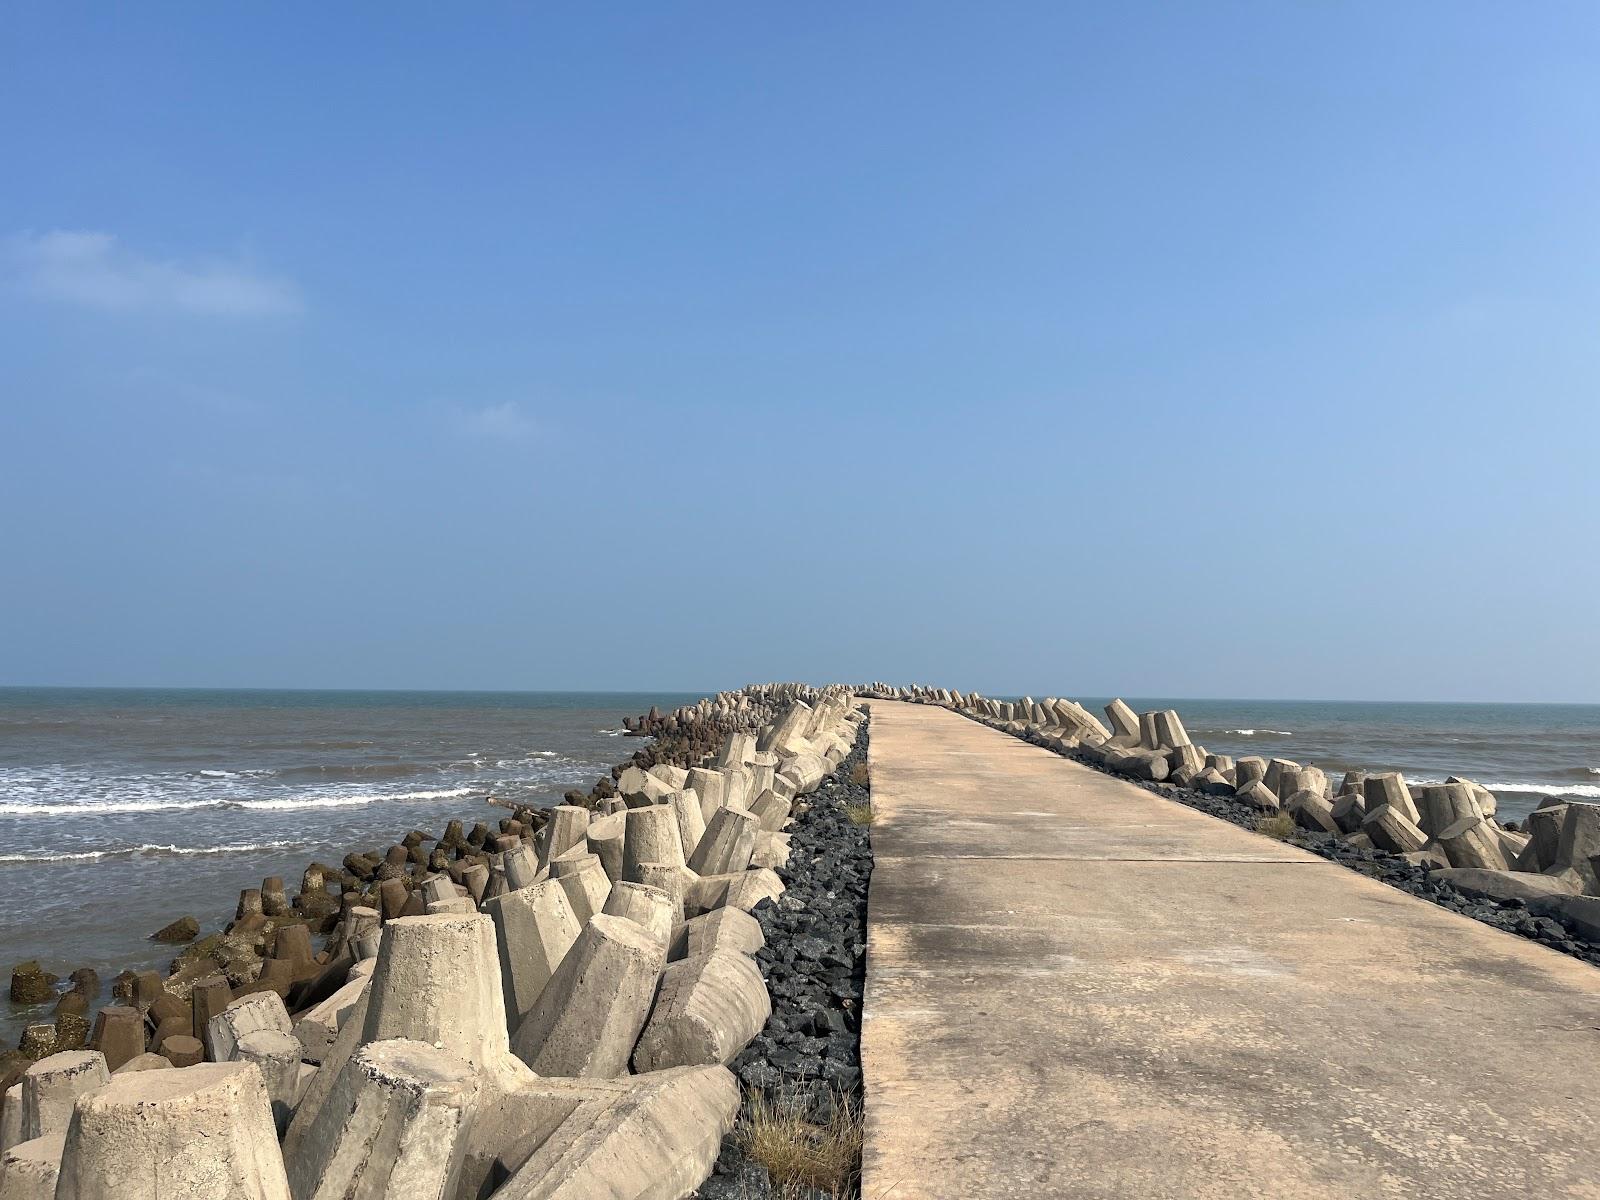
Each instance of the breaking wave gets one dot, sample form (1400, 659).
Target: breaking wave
(150, 849)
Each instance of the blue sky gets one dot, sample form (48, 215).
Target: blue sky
(1214, 350)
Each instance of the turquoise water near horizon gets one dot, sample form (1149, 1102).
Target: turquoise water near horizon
(121, 809)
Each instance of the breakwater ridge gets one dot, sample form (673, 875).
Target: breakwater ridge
(876, 940)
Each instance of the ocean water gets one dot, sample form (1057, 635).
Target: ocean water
(121, 810)
(1524, 753)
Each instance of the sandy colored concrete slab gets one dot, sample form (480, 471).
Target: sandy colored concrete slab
(1078, 988)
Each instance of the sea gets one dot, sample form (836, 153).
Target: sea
(121, 810)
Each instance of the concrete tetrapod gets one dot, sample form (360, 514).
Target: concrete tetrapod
(708, 1009)
(277, 1056)
(720, 929)
(52, 1085)
(691, 821)
(728, 844)
(708, 787)
(1390, 788)
(585, 881)
(258, 1010)
(568, 827)
(652, 909)
(642, 1137)
(205, 1131)
(589, 1017)
(650, 835)
(670, 878)
(740, 889)
(603, 840)
(534, 928)
(31, 1169)
(396, 1125)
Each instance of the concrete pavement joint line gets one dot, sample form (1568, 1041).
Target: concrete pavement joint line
(1211, 1034)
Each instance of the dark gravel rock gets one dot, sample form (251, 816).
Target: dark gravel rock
(815, 966)
(1509, 915)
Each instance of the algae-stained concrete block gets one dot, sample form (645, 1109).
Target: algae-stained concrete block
(728, 844)
(396, 1127)
(205, 1131)
(585, 882)
(650, 835)
(708, 1009)
(258, 1010)
(30, 1170)
(1389, 787)
(588, 1018)
(118, 1034)
(1391, 830)
(534, 929)
(52, 1085)
(645, 1137)
(1471, 842)
(183, 1051)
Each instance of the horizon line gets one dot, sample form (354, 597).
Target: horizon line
(637, 691)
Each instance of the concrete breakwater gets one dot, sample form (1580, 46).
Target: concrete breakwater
(547, 1011)
(1539, 878)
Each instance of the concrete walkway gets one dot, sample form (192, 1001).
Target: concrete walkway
(1077, 988)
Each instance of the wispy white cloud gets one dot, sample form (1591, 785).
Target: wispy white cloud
(95, 270)
(505, 421)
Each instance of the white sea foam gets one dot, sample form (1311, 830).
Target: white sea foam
(348, 799)
(284, 803)
(1253, 732)
(1581, 791)
(149, 848)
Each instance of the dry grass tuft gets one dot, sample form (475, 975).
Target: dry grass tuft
(859, 814)
(800, 1154)
(861, 775)
(1278, 825)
